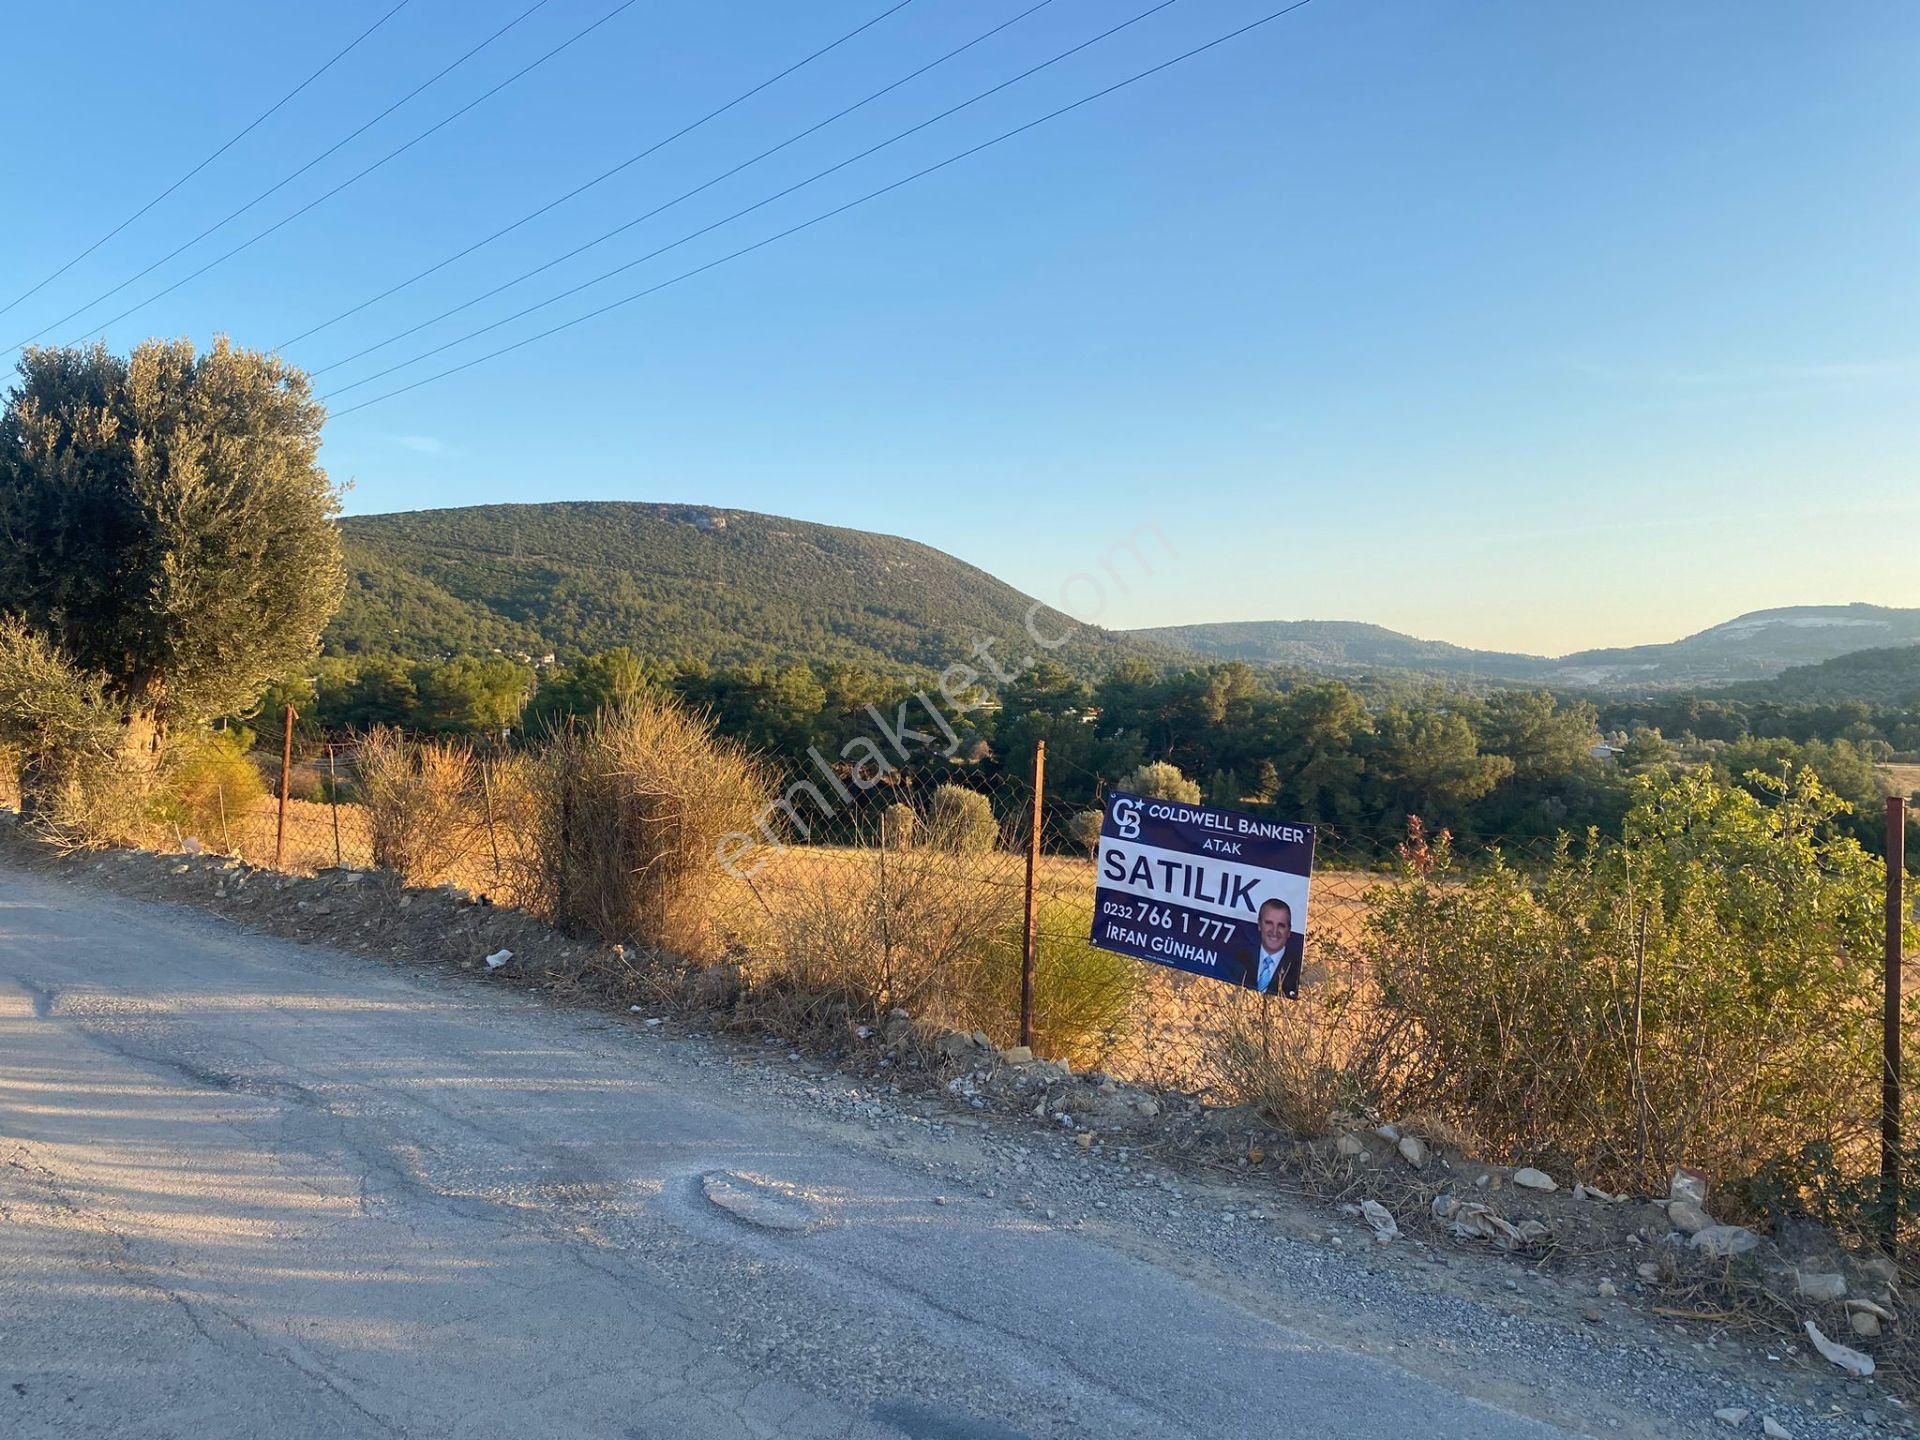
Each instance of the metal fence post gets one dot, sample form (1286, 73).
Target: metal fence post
(333, 803)
(1890, 1019)
(286, 783)
(486, 796)
(1033, 870)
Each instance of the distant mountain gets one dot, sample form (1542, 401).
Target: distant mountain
(1879, 677)
(1750, 647)
(1755, 646)
(1340, 647)
(684, 583)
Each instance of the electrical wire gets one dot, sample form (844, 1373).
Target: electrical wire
(1004, 136)
(693, 235)
(255, 124)
(355, 178)
(287, 180)
(605, 175)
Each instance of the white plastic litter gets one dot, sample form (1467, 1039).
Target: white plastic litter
(498, 958)
(1845, 1356)
(1385, 1227)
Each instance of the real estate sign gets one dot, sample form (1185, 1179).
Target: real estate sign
(1213, 892)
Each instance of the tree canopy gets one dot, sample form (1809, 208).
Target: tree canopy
(164, 521)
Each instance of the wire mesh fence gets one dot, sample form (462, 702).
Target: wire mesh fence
(1508, 983)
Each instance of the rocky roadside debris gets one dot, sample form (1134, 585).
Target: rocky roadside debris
(1618, 1261)
(1660, 1253)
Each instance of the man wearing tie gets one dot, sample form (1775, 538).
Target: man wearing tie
(1271, 964)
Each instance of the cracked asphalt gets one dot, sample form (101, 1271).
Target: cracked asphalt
(253, 1188)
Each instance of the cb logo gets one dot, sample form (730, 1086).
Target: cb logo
(1126, 817)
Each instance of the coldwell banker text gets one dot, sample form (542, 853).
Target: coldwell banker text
(1212, 892)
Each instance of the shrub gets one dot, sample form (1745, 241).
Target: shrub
(77, 787)
(1083, 997)
(1083, 827)
(208, 786)
(897, 825)
(1747, 936)
(960, 821)
(422, 814)
(632, 809)
(1162, 781)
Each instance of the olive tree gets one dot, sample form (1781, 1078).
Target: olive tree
(165, 526)
(1162, 781)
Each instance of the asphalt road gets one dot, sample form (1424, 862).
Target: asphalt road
(253, 1188)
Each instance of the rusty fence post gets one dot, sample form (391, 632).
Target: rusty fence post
(1033, 872)
(486, 796)
(333, 803)
(1890, 1176)
(286, 784)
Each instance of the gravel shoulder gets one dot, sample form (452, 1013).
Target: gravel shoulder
(948, 1270)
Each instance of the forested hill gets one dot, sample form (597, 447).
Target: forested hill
(680, 583)
(1889, 676)
(1341, 646)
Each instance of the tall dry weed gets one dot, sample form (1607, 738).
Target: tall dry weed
(422, 804)
(630, 811)
(1334, 1050)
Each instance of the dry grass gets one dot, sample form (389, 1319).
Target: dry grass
(946, 944)
(1901, 779)
(880, 928)
(97, 804)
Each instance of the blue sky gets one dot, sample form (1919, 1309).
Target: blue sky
(1517, 324)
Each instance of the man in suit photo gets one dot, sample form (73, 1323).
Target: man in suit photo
(1270, 963)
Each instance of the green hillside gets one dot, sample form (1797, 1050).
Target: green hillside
(681, 583)
(1888, 676)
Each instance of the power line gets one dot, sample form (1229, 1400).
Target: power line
(604, 174)
(971, 151)
(283, 183)
(694, 235)
(257, 121)
(355, 178)
(704, 185)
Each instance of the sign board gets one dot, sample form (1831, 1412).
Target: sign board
(1213, 892)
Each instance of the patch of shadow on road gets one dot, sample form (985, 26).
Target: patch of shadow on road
(925, 1422)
